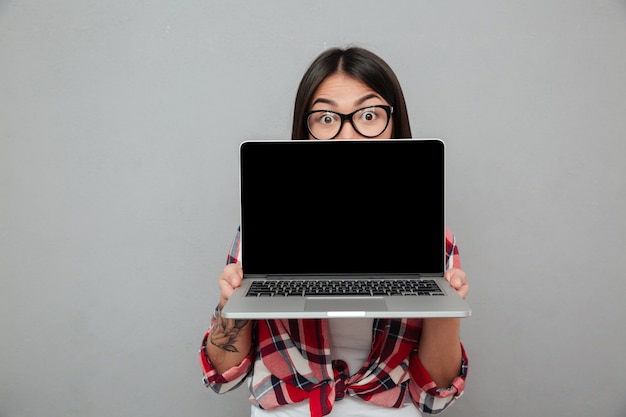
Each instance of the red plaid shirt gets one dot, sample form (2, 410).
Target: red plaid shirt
(290, 361)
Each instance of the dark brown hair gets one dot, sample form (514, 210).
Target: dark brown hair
(361, 64)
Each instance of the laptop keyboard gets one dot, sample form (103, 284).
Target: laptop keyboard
(365, 287)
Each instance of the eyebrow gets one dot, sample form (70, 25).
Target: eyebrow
(356, 103)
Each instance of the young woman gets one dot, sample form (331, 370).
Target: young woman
(343, 367)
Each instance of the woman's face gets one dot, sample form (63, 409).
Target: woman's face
(344, 94)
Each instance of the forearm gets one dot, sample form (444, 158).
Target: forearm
(440, 349)
(229, 342)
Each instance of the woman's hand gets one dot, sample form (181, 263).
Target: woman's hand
(458, 280)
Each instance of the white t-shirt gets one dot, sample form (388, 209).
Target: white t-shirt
(350, 341)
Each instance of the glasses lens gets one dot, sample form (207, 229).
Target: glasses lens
(370, 121)
(324, 124)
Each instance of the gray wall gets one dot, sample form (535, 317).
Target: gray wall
(119, 128)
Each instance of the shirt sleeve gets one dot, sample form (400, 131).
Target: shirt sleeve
(234, 254)
(234, 376)
(426, 396)
(453, 260)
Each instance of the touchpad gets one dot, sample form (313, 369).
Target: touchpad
(344, 304)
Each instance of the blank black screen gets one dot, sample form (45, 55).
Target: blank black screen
(334, 207)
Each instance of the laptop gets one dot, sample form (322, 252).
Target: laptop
(343, 228)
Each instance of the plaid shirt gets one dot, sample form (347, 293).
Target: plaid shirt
(290, 361)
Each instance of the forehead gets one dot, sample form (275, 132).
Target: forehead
(341, 87)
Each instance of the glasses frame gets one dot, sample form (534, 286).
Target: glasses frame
(388, 109)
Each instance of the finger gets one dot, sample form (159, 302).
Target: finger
(229, 280)
(463, 290)
(458, 280)
(455, 276)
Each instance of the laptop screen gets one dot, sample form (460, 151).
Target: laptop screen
(342, 207)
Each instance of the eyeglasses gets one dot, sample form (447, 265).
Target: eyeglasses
(368, 121)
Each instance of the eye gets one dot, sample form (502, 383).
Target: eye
(326, 118)
(369, 115)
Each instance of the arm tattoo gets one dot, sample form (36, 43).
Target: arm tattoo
(225, 333)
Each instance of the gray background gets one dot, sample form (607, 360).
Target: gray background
(119, 128)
